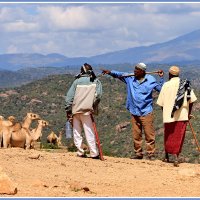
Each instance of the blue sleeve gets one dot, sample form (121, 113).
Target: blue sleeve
(159, 85)
(119, 75)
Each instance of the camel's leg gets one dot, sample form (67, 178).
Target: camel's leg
(1, 139)
(28, 143)
(6, 138)
(5, 144)
(32, 146)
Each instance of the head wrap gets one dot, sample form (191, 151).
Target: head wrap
(86, 69)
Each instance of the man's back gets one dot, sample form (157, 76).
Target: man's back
(167, 98)
(82, 94)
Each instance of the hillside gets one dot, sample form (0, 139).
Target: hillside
(46, 98)
(62, 174)
(23, 76)
(27, 75)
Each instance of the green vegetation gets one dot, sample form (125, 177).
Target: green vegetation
(46, 98)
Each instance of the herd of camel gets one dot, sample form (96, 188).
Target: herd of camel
(16, 134)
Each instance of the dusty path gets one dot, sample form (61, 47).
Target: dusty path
(65, 175)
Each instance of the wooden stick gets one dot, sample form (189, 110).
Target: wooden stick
(194, 134)
(97, 139)
(128, 75)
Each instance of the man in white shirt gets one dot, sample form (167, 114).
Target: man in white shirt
(176, 99)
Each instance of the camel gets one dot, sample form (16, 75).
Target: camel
(16, 125)
(1, 134)
(37, 132)
(20, 133)
(26, 138)
(59, 140)
(5, 126)
(20, 138)
(1, 120)
(54, 139)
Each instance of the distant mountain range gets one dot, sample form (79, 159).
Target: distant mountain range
(185, 48)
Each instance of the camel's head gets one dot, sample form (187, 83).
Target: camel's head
(11, 119)
(61, 133)
(33, 116)
(43, 123)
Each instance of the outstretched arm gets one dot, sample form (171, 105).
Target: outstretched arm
(115, 74)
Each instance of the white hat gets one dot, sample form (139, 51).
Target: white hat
(141, 66)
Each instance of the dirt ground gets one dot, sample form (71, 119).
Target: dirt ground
(63, 174)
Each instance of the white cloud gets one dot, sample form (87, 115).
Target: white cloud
(68, 18)
(11, 13)
(20, 26)
(85, 29)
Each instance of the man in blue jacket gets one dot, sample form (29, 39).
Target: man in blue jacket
(140, 104)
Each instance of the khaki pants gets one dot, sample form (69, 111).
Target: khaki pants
(145, 122)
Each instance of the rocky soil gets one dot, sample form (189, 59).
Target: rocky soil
(63, 174)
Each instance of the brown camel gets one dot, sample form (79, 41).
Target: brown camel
(37, 132)
(4, 126)
(5, 131)
(26, 138)
(21, 137)
(54, 139)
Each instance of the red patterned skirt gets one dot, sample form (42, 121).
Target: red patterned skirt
(174, 135)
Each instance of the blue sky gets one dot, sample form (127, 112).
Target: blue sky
(76, 30)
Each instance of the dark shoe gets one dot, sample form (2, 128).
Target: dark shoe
(176, 163)
(166, 158)
(96, 157)
(137, 157)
